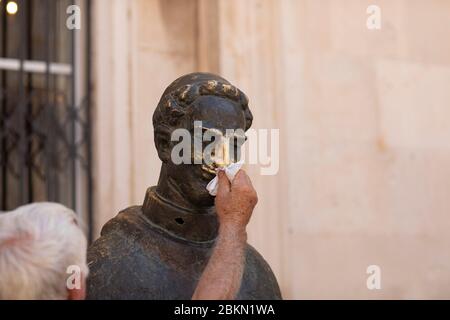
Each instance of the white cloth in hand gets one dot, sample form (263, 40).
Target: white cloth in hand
(230, 171)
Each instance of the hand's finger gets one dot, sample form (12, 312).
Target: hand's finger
(240, 178)
(224, 183)
(249, 181)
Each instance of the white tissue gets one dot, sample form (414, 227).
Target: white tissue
(230, 171)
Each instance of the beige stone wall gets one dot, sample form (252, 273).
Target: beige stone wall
(364, 119)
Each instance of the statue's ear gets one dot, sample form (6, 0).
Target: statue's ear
(163, 143)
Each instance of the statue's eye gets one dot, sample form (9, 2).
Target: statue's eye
(238, 141)
(207, 142)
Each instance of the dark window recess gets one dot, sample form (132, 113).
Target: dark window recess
(45, 109)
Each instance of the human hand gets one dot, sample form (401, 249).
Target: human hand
(235, 201)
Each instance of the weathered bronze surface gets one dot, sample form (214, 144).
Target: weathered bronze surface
(159, 250)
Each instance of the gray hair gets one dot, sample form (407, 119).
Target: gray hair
(38, 242)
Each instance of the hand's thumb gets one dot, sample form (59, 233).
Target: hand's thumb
(224, 183)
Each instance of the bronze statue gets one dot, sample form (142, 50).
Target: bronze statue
(159, 250)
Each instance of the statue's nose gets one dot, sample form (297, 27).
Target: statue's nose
(222, 157)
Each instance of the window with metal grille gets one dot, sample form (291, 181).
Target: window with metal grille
(45, 114)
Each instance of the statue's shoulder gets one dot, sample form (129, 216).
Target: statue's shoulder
(259, 281)
(115, 258)
(129, 218)
(119, 234)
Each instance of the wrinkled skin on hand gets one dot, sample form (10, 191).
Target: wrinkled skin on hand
(235, 201)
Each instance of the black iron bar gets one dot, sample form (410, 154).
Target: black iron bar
(89, 125)
(48, 109)
(72, 115)
(28, 100)
(55, 114)
(3, 112)
(21, 106)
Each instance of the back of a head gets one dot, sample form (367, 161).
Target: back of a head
(38, 242)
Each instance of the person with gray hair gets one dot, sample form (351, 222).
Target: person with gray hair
(42, 253)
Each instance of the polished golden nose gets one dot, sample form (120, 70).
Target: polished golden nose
(222, 157)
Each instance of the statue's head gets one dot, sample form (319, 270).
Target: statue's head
(193, 97)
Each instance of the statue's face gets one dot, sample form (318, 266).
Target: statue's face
(218, 114)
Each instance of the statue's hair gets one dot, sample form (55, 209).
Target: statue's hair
(174, 105)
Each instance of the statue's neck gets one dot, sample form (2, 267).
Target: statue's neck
(168, 189)
(166, 207)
